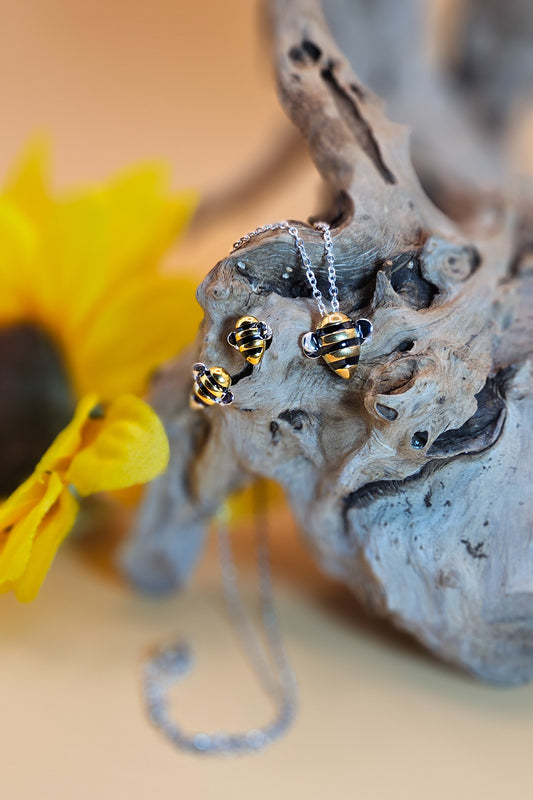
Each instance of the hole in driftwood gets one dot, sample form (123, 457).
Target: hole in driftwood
(296, 417)
(419, 440)
(407, 280)
(386, 412)
(405, 346)
(313, 50)
(296, 54)
(339, 215)
(307, 54)
(375, 490)
(274, 432)
(483, 427)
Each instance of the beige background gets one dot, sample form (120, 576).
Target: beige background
(112, 83)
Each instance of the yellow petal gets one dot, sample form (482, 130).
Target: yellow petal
(21, 515)
(84, 268)
(111, 313)
(19, 503)
(71, 254)
(28, 184)
(17, 247)
(102, 448)
(146, 323)
(144, 215)
(67, 443)
(97, 240)
(127, 446)
(53, 529)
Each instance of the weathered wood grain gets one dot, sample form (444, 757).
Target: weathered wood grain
(411, 482)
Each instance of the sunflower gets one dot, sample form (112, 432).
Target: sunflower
(85, 317)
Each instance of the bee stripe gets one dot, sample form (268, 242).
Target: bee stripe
(246, 326)
(207, 391)
(343, 363)
(340, 347)
(208, 398)
(343, 352)
(251, 351)
(338, 338)
(333, 327)
(248, 338)
(199, 401)
(209, 384)
(333, 336)
(343, 355)
(342, 359)
(251, 348)
(250, 342)
(203, 397)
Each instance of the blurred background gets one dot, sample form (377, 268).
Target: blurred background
(190, 83)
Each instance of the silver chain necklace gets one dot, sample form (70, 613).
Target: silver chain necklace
(169, 664)
(292, 230)
(337, 338)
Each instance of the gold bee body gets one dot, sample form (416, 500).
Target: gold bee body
(211, 387)
(251, 338)
(337, 340)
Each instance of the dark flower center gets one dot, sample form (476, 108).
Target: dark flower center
(36, 401)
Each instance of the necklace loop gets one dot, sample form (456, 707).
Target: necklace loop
(293, 231)
(269, 659)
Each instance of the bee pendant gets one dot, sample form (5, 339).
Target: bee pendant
(211, 387)
(251, 338)
(338, 341)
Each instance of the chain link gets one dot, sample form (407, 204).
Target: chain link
(292, 230)
(330, 258)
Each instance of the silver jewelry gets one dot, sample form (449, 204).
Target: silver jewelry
(292, 230)
(330, 258)
(169, 664)
(337, 338)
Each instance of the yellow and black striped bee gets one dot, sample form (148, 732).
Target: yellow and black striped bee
(338, 341)
(251, 338)
(211, 387)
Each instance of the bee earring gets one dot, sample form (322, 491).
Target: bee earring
(337, 338)
(210, 387)
(251, 338)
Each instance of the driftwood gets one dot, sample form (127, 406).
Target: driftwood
(411, 481)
